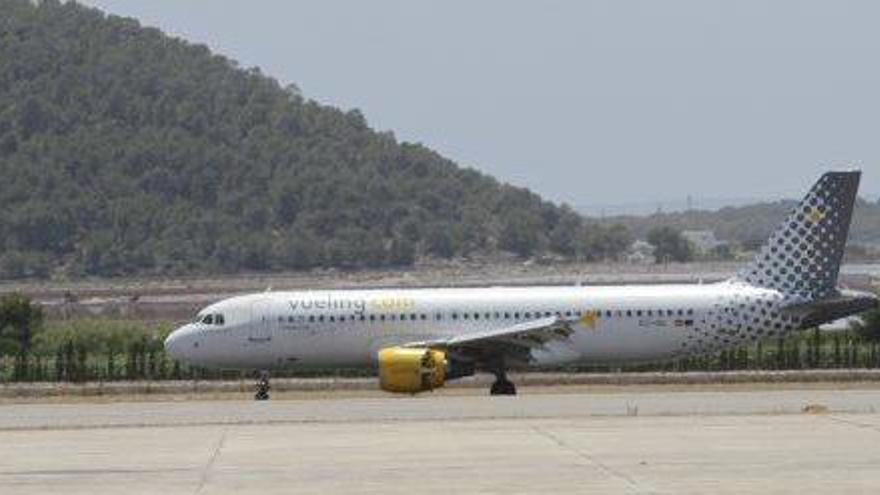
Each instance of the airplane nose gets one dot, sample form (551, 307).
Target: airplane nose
(173, 344)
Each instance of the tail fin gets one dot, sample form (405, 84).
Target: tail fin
(802, 258)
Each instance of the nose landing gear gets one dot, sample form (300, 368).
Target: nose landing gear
(262, 386)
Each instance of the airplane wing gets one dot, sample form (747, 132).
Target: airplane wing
(513, 343)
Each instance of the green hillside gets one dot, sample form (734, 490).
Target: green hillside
(125, 151)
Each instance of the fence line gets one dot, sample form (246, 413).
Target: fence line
(143, 360)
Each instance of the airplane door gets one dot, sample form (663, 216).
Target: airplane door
(263, 318)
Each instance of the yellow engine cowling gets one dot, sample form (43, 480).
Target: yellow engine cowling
(405, 370)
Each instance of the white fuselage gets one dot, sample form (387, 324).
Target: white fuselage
(346, 328)
(791, 283)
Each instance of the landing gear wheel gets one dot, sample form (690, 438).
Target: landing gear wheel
(503, 386)
(262, 386)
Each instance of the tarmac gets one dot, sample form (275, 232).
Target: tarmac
(620, 440)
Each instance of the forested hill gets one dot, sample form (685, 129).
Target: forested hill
(750, 225)
(123, 151)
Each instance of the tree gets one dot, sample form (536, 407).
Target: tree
(519, 235)
(618, 240)
(288, 206)
(669, 245)
(439, 241)
(19, 321)
(722, 252)
(402, 253)
(32, 118)
(564, 236)
(18, 265)
(298, 250)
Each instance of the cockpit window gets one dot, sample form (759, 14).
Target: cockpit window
(211, 319)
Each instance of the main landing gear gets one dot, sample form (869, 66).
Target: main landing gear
(502, 385)
(262, 386)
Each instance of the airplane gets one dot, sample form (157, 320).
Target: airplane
(419, 339)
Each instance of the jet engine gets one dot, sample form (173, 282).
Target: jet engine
(411, 371)
(414, 370)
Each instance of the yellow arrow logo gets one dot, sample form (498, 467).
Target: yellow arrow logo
(816, 215)
(590, 319)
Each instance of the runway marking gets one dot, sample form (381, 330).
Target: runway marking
(629, 480)
(206, 471)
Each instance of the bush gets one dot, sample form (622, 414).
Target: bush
(869, 326)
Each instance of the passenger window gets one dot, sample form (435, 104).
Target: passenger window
(608, 313)
(342, 318)
(454, 316)
(528, 315)
(476, 316)
(506, 316)
(638, 312)
(311, 318)
(465, 316)
(372, 317)
(363, 318)
(424, 316)
(332, 318)
(629, 313)
(321, 318)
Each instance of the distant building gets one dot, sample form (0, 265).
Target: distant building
(641, 252)
(704, 241)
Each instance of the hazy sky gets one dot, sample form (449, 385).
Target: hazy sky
(589, 102)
